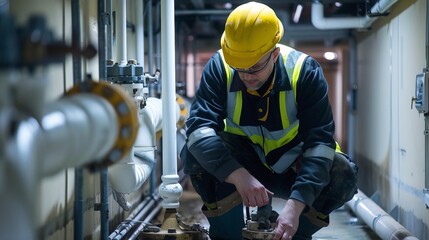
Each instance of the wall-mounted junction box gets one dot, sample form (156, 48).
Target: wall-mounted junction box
(422, 92)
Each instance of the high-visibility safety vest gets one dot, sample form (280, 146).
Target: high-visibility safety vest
(259, 135)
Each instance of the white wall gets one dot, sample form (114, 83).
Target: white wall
(390, 140)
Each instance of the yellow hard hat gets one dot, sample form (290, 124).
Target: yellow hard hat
(251, 30)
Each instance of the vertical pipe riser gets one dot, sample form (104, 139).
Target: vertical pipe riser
(170, 190)
(104, 202)
(77, 75)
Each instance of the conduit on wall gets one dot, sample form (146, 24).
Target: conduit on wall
(375, 217)
(320, 22)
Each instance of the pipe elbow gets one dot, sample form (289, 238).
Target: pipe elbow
(320, 22)
(128, 177)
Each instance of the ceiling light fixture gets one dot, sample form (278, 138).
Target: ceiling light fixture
(297, 13)
(227, 5)
(330, 56)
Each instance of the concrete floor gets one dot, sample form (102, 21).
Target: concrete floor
(344, 224)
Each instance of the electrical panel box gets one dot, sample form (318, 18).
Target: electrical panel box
(422, 91)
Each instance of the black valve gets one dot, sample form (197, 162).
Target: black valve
(33, 44)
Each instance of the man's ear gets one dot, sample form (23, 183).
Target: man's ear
(276, 53)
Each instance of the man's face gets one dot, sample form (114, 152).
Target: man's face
(255, 76)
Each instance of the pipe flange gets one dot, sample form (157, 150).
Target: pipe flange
(126, 111)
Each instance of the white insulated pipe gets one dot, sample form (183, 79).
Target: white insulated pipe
(320, 22)
(386, 227)
(121, 32)
(72, 131)
(382, 6)
(170, 190)
(129, 174)
(75, 130)
(139, 33)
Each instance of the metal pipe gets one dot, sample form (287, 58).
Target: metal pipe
(121, 32)
(101, 8)
(153, 205)
(146, 209)
(202, 12)
(426, 189)
(152, 213)
(82, 121)
(71, 133)
(109, 36)
(320, 22)
(104, 204)
(377, 219)
(156, 90)
(77, 78)
(129, 222)
(151, 202)
(78, 204)
(150, 37)
(104, 193)
(76, 42)
(427, 37)
(170, 190)
(140, 33)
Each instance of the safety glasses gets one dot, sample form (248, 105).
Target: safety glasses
(253, 69)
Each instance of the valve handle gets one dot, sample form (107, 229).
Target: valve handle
(413, 99)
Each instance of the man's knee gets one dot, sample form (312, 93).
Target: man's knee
(344, 177)
(342, 186)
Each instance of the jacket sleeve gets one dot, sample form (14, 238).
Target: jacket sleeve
(208, 112)
(316, 129)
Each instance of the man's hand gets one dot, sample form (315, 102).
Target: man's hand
(253, 193)
(288, 220)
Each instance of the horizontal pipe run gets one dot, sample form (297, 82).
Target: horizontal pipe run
(321, 22)
(86, 122)
(377, 219)
(123, 229)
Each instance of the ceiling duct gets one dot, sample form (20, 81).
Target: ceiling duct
(321, 22)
